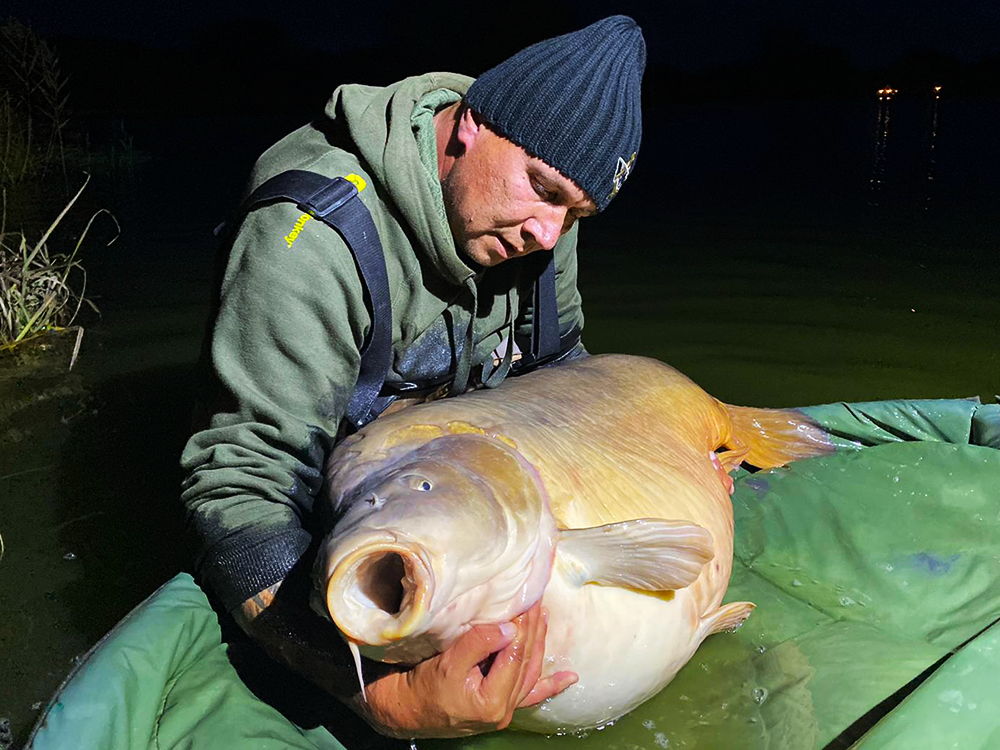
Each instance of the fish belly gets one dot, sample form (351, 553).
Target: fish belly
(624, 645)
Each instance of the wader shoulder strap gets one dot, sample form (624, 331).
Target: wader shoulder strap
(335, 202)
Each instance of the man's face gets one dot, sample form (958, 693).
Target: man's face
(503, 203)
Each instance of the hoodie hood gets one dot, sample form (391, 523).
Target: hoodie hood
(379, 123)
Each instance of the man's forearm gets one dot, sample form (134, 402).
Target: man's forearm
(280, 621)
(447, 695)
(255, 606)
(279, 630)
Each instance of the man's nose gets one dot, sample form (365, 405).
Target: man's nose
(547, 227)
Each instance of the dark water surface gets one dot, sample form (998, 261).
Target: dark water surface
(744, 251)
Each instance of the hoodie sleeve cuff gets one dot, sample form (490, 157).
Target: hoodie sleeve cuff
(246, 565)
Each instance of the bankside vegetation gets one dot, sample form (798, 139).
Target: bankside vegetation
(41, 288)
(34, 112)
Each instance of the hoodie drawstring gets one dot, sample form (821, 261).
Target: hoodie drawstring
(496, 377)
(464, 368)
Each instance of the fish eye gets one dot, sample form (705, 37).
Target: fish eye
(418, 483)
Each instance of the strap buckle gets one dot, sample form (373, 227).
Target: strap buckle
(329, 198)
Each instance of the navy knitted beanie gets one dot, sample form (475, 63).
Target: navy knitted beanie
(573, 102)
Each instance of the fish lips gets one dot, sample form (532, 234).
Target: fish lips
(379, 591)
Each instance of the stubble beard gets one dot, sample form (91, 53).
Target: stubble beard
(464, 244)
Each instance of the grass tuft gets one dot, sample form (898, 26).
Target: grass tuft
(37, 294)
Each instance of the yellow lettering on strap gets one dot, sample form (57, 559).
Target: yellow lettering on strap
(357, 180)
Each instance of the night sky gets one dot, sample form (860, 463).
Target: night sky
(683, 34)
(792, 82)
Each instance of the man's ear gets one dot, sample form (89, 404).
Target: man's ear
(470, 127)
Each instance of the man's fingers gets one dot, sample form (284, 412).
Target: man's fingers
(481, 641)
(546, 688)
(532, 625)
(535, 653)
(506, 676)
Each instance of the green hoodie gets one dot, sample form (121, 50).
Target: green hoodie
(284, 348)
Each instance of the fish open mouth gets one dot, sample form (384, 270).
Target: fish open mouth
(378, 593)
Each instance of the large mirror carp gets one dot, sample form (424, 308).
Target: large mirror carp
(600, 485)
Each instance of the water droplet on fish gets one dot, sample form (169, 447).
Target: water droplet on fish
(796, 582)
(69, 556)
(759, 694)
(761, 649)
(649, 724)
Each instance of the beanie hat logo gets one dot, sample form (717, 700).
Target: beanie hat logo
(622, 173)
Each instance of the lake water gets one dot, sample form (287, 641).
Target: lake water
(749, 250)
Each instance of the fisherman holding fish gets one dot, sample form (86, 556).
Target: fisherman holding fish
(367, 269)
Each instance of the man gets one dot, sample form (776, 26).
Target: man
(461, 179)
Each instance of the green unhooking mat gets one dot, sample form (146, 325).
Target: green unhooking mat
(870, 568)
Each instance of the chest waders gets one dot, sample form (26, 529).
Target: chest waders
(335, 202)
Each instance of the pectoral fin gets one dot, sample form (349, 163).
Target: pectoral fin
(648, 553)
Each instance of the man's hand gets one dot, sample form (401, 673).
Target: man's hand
(449, 695)
(452, 694)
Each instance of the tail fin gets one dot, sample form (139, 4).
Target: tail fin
(773, 437)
